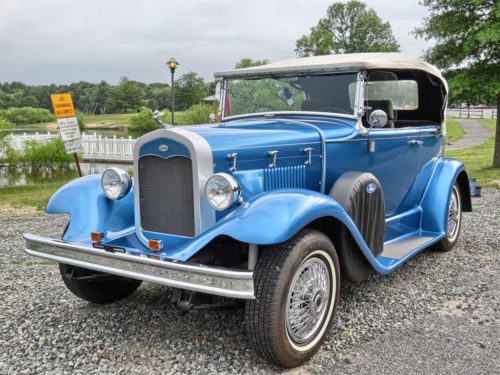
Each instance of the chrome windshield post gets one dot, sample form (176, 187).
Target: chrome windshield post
(223, 102)
(359, 102)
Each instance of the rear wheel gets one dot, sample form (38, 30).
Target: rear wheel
(454, 221)
(96, 287)
(297, 286)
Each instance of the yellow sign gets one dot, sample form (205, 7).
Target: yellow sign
(63, 105)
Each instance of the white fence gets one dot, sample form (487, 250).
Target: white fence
(94, 147)
(472, 112)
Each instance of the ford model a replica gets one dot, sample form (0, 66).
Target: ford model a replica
(318, 169)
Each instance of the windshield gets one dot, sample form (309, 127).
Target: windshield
(314, 93)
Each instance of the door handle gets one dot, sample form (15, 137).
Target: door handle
(415, 142)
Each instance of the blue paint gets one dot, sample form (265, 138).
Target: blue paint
(173, 148)
(280, 202)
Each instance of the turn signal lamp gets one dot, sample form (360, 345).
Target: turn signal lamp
(155, 245)
(96, 236)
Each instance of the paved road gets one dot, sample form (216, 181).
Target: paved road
(475, 134)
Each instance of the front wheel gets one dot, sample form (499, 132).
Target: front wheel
(96, 287)
(297, 287)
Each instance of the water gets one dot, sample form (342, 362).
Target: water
(18, 176)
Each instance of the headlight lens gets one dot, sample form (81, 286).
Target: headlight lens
(222, 191)
(116, 183)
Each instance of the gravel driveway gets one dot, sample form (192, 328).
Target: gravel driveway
(437, 314)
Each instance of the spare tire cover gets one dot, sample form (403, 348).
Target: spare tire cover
(361, 196)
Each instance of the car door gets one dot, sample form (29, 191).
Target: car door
(393, 157)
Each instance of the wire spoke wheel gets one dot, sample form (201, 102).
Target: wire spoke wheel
(454, 210)
(296, 292)
(308, 300)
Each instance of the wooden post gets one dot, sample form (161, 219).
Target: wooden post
(78, 165)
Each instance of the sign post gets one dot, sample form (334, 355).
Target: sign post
(64, 110)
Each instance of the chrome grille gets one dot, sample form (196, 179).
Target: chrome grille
(166, 195)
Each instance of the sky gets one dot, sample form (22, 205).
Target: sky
(64, 41)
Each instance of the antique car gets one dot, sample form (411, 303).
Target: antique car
(316, 170)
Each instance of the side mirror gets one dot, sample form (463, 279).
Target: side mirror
(218, 92)
(212, 118)
(377, 119)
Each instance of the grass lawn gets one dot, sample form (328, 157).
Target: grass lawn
(112, 121)
(479, 159)
(454, 130)
(119, 121)
(29, 195)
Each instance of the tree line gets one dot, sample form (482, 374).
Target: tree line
(103, 98)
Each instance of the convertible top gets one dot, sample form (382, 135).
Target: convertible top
(341, 62)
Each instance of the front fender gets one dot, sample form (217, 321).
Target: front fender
(90, 210)
(274, 217)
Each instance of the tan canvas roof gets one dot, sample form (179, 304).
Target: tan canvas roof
(349, 61)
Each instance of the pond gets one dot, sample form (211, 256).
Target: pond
(18, 176)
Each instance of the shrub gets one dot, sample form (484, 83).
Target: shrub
(26, 115)
(5, 128)
(142, 123)
(52, 153)
(81, 121)
(10, 155)
(198, 114)
(180, 117)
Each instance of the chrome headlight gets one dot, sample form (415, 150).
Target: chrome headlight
(116, 183)
(222, 191)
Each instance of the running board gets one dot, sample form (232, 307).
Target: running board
(399, 248)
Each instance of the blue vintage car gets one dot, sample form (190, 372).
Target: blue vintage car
(315, 170)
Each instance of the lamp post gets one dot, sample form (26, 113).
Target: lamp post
(172, 64)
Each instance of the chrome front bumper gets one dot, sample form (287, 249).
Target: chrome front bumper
(196, 277)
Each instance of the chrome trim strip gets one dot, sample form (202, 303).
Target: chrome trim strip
(195, 277)
(267, 146)
(202, 159)
(323, 151)
(274, 113)
(381, 138)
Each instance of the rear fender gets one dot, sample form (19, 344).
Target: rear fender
(436, 197)
(90, 210)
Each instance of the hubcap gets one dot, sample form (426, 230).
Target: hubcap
(453, 214)
(308, 300)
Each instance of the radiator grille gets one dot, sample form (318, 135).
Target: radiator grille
(166, 195)
(285, 177)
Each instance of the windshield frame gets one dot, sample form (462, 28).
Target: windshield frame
(358, 98)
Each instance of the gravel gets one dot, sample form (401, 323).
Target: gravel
(436, 303)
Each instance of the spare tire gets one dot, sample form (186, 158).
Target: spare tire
(361, 195)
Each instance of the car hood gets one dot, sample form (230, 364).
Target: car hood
(235, 135)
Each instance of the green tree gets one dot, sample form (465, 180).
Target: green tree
(127, 95)
(347, 28)
(190, 88)
(103, 89)
(467, 47)
(247, 62)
